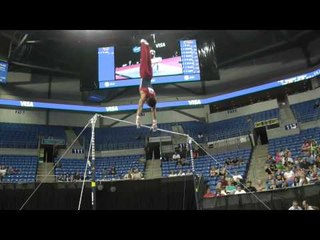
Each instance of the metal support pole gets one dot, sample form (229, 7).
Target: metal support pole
(193, 173)
(93, 165)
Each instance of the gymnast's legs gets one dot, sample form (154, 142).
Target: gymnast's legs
(143, 98)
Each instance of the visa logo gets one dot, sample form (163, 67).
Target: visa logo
(26, 104)
(160, 45)
(194, 102)
(112, 109)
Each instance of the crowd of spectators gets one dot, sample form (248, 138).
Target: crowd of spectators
(284, 170)
(7, 170)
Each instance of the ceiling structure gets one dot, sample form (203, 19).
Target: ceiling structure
(61, 52)
(59, 49)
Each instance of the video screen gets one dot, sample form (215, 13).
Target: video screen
(172, 61)
(3, 71)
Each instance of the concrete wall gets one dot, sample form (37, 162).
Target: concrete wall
(281, 132)
(58, 118)
(73, 119)
(19, 151)
(123, 152)
(305, 96)
(315, 83)
(311, 124)
(64, 118)
(242, 111)
(23, 116)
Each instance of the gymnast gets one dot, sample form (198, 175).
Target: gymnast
(147, 93)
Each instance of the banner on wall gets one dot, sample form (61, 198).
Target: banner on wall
(265, 123)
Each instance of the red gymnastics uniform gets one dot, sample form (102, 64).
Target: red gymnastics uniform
(146, 70)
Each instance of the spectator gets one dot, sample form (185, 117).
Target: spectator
(280, 166)
(235, 161)
(268, 170)
(269, 181)
(220, 192)
(271, 185)
(250, 188)
(306, 206)
(223, 191)
(284, 161)
(3, 172)
(303, 181)
(208, 194)
(295, 206)
(273, 167)
(172, 174)
(214, 172)
(289, 176)
(76, 176)
(112, 171)
(278, 157)
(137, 175)
(195, 153)
(128, 175)
(223, 171)
(223, 182)
(270, 160)
(228, 162)
(104, 172)
(289, 158)
(297, 161)
(240, 161)
(180, 162)
(176, 156)
(164, 158)
(218, 185)
(260, 187)
(11, 170)
(296, 181)
(311, 158)
(318, 161)
(230, 188)
(299, 172)
(313, 174)
(237, 177)
(305, 148)
(279, 181)
(278, 172)
(239, 190)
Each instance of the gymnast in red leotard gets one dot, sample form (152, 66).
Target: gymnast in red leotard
(147, 93)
